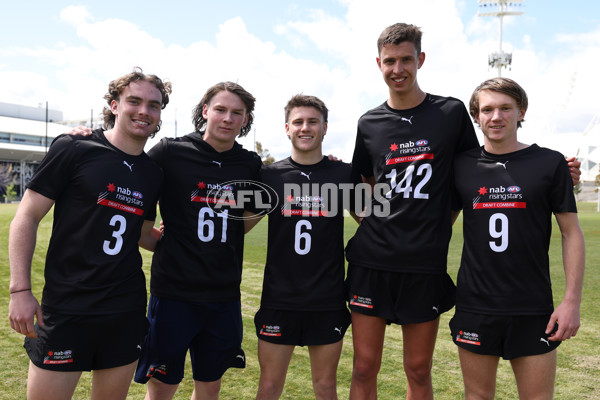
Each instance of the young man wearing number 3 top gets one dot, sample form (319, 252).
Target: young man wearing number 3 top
(102, 186)
(508, 191)
(303, 298)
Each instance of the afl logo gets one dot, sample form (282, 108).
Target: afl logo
(513, 189)
(137, 194)
(422, 142)
(229, 188)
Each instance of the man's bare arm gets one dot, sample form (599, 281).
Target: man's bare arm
(573, 250)
(21, 246)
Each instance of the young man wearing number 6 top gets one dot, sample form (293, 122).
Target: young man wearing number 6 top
(197, 265)
(103, 187)
(508, 191)
(303, 297)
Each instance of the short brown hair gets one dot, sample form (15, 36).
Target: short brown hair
(502, 85)
(301, 100)
(200, 122)
(398, 33)
(116, 87)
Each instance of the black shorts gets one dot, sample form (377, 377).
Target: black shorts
(508, 337)
(87, 342)
(212, 331)
(400, 298)
(301, 328)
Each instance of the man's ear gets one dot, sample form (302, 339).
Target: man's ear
(421, 59)
(114, 106)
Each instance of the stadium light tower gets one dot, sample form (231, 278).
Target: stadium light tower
(499, 8)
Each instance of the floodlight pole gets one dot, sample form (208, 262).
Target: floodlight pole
(499, 8)
(46, 138)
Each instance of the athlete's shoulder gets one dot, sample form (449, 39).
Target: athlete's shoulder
(277, 165)
(167, 148)
(474, 152)
(185, 139)
(68, 142)
(338, 165)
(544, 151)
(447, 102)
(373, 112)
(238, 151)
(545, 157)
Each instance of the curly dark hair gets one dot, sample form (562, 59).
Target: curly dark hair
(116, 87)
(200, 122)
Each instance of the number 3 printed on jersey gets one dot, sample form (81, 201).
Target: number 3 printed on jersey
(120, 223)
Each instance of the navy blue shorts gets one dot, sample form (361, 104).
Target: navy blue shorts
(399, 298)
(211, 331)
(503, 336)
(301, 328)
(69, 343)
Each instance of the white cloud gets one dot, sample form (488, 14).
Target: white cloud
(340, 69)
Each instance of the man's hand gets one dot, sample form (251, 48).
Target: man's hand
(566, 315)
(21, 309)
(574, 168)
(83, 131)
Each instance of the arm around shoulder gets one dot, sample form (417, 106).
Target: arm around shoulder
(149, 236)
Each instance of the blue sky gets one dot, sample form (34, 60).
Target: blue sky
(65, 52)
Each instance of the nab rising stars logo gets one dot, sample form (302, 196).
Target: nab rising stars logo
(499, 197)
(122, 198)
(408, 152)
(214, 193)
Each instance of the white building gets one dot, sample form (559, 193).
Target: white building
(24, 136)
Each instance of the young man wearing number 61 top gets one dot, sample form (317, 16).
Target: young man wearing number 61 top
(103, 187)
(197, 265)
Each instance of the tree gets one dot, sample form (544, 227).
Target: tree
(264, 154)
(7, 187)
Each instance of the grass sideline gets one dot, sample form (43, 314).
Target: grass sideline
(578, 375)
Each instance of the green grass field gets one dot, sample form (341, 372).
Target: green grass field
(578, 374)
